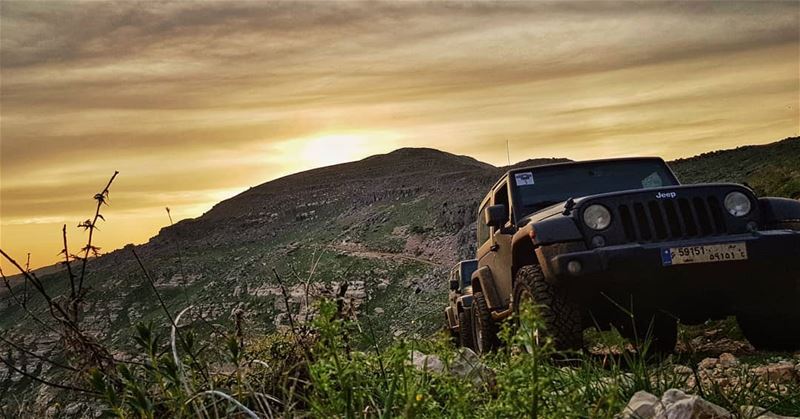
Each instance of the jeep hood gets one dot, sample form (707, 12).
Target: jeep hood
(667, 192)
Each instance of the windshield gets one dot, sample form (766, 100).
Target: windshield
(545, 186)
(467, 268)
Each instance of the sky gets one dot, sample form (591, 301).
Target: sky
(194, 102)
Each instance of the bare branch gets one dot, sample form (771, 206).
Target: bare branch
(68, 264)
(101, 199)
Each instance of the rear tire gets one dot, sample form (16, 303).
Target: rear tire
(451, 332)
(771, 332)
(776, 330)
(465, 329)
(561, 315)
(658, 332)
(484, 331)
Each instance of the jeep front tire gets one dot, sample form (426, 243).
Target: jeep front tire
(560, 314)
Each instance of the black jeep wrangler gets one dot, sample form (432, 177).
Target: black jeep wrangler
(621, 242)
(457, 313)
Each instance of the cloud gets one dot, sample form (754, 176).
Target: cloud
(194, 101)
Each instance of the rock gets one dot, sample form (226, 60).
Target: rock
(51, 412)
(469, 366)
(727, 360)
(708, 363)
(74, 409)
(760, 413)
(683, 370)
(641, 406)
(676, 404)
(378, 310)
(466, 366)
(783, 372)
(424, 362)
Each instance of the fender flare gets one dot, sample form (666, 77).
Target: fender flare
(533, 235)
(483, 281)
(464, 300)
(523, 249)
(779, 209)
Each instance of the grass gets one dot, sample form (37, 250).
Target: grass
(335, 368)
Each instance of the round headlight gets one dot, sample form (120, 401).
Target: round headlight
(737, 204)
(597, 217)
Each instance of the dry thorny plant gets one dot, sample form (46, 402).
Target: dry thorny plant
(63, 311)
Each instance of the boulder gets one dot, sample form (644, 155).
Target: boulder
(467, 365)
(783, 372)
(676, 404)
(727, 360)
(429, 363)
(642, 405)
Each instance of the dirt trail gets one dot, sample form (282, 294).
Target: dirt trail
(359, 251)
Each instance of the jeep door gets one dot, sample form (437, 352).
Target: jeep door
(495, 252)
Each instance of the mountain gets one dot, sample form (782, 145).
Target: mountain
(389, 225)
(772, 169)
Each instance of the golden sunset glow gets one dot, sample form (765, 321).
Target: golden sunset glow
(332, 149)
(194, 102)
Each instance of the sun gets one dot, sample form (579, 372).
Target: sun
(330, 149)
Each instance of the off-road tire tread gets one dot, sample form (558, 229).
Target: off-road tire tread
(561, 316)
(465, 330)
(771, 333)
(480, 311)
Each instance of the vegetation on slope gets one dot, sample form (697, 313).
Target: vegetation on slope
(771, 170)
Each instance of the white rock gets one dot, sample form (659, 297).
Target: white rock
(676, 404)
(424, 362)
(469, 366)
(641, 406)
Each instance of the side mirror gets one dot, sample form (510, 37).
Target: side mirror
(454, 285)
(496, 216)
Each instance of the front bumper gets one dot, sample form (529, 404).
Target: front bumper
(769, 252)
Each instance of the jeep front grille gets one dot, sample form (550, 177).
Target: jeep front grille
(660, 220)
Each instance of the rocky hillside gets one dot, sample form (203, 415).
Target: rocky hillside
(389, 225)
(772, 169)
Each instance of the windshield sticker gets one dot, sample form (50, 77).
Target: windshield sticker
(652, 181)
(524, 178)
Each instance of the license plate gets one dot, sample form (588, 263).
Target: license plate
(703, 254)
